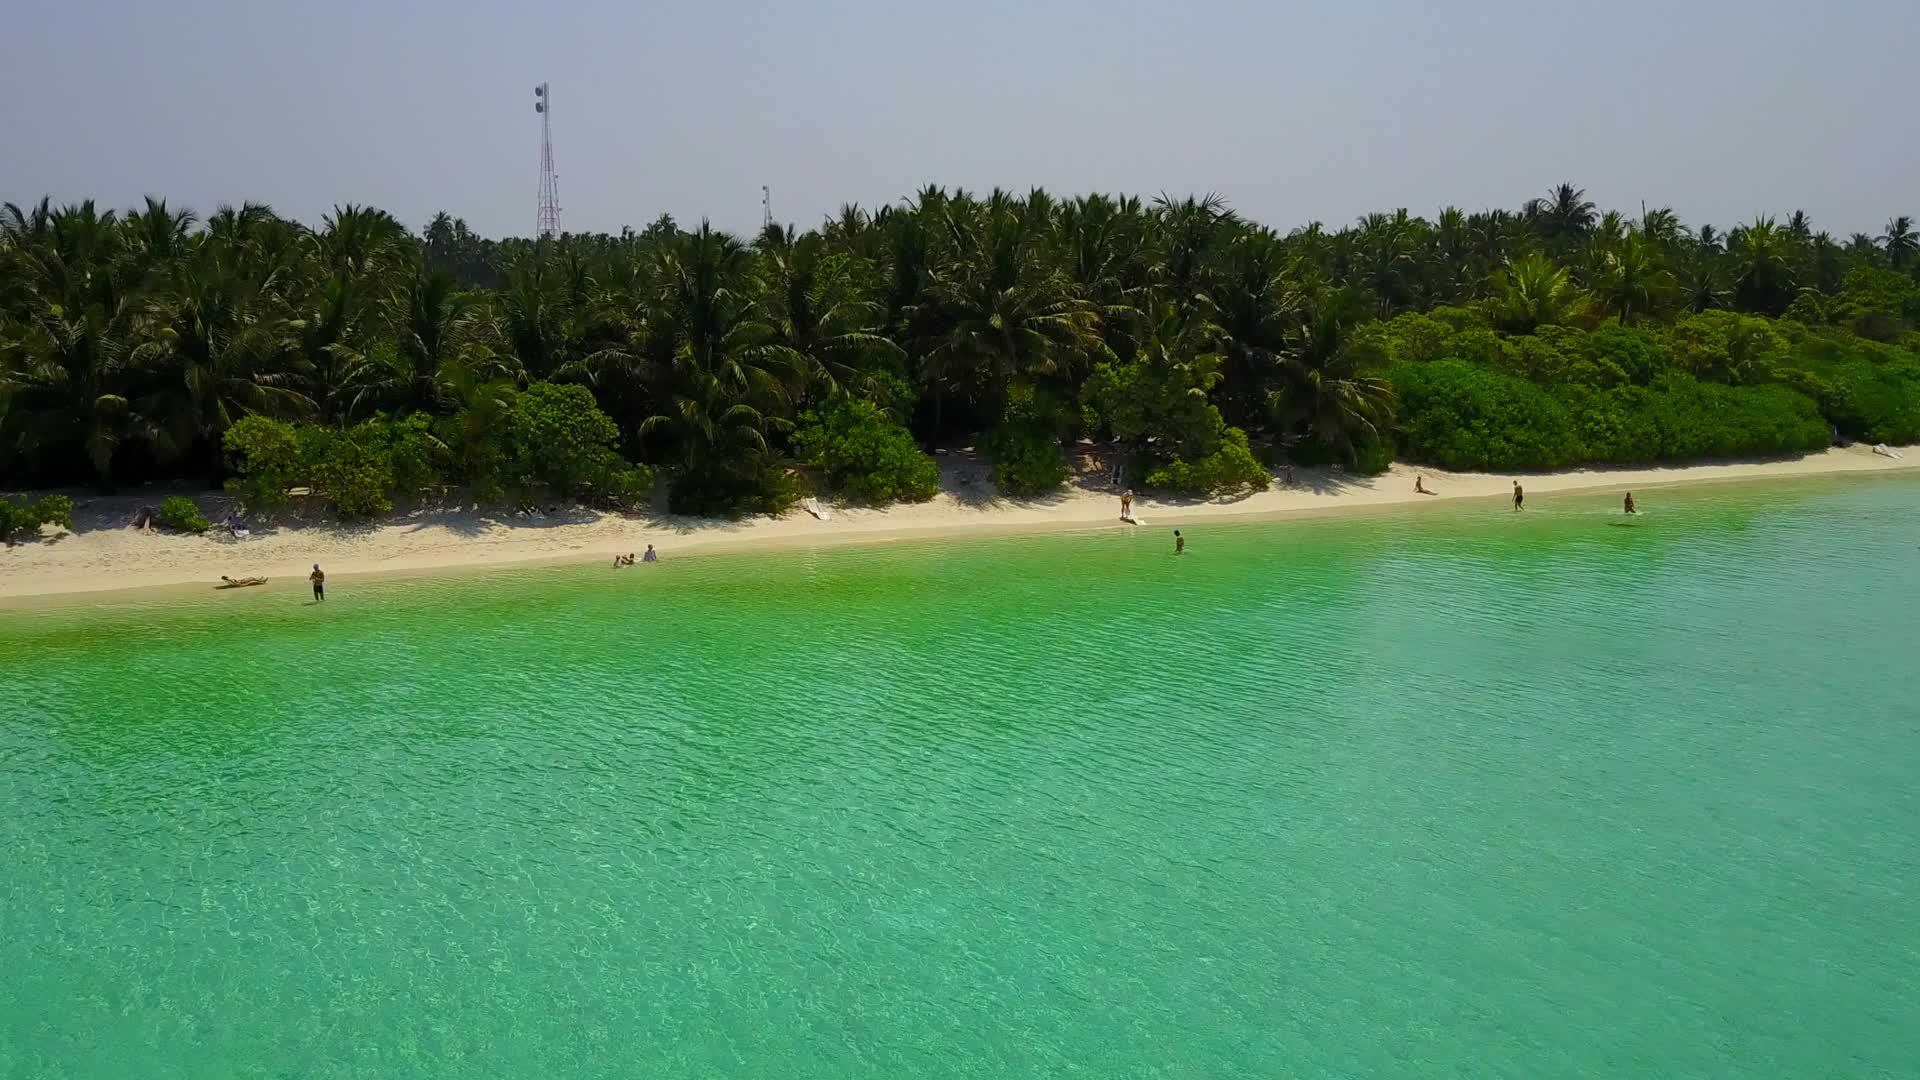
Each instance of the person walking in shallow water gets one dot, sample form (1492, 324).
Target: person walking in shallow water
(319, 579)
(1179, 543)
(1519, 496)
(1630, 508)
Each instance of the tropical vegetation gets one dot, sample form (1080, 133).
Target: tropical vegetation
(365, 364)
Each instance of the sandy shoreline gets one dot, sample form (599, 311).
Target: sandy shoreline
(103, 557)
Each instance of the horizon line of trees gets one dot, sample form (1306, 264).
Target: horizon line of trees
(1204, 347)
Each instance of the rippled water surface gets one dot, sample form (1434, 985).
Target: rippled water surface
(1455, 793)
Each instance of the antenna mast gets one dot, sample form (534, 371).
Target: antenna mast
(548, 223)
(766, 207)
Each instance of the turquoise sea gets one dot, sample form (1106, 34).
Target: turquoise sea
(1455, 792)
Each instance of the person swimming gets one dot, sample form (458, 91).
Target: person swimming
(1179, 543)
(1630, 508)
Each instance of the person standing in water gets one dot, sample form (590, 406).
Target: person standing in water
(1126, 505)
(319, 579)
(1519, 496)
(1179, 543)
(1630, 508)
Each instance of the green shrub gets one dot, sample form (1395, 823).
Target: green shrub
(28, 517)
(1867, 390)
(864, 456)
(177, 512)
(1026, 462)
(1460, 415)
(1682, 418)
(416, 454)
(1725, 346)
(731, 486)
(352, 469)
(1229, 470)
(265, 457)
(1026, 446)
(558, 440)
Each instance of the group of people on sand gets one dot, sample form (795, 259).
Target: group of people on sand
(1419, 488)
(1520, 499)
(627, 559)
(318, 579)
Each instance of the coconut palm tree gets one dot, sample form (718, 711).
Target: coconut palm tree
(817, 306)
(996, 313)
(1329, 392)
(1900, 241)
(66, 371)
(1630, 279)
(1261, 307)
(220, 345)
(1660, 226)
(722, 379)
(1532, 292)
(1566, 216)
(1763, 278)
(427, 331)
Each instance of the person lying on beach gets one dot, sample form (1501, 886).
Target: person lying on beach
(1420, 486)
(239, 582)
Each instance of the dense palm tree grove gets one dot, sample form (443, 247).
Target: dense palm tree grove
(1201, 347)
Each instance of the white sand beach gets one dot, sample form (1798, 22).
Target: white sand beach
(103, 555)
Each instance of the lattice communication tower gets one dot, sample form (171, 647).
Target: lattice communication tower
(548, 224)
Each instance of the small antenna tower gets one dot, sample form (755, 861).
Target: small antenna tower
(766, 206)
(548, 224)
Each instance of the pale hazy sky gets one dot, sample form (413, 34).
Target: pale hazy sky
(1294, 112)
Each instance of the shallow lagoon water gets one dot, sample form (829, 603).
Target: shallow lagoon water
(1454, 792)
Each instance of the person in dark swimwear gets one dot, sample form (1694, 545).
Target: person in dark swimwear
(1518, 495)
(319, 579)
(1179, 543)
(1420, 486)
(1630, 508)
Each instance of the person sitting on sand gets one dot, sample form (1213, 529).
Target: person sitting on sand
(1126, 505)
(143, 519)
(240, 583)
(1630, 508)
(1420, 486)
(649, 556)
